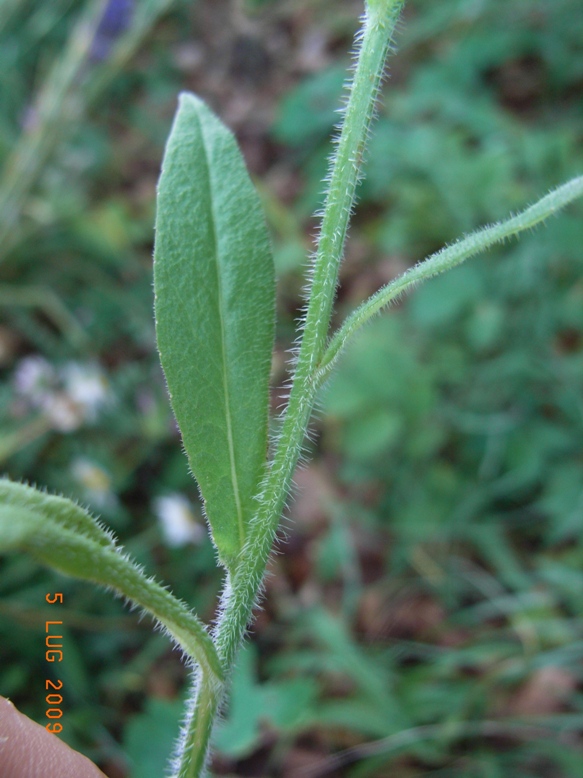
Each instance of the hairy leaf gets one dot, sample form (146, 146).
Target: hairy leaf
(62, 535)
(214, 283)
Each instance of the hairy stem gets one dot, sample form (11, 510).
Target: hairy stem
(344, 175)
(243, 587)
(445, 259)
(202, 711)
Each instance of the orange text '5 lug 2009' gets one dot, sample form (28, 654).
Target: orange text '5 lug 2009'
(54, 653)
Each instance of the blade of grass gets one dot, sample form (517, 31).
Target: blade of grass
(46, 300)
(61, 103)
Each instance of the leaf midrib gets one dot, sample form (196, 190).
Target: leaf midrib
(230, 441)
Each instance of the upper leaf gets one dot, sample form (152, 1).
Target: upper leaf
(214, 284)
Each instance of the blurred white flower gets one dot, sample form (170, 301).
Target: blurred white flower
(69, 397)
(87, 387)
(95, 480)
(178, 521)
(63, 414)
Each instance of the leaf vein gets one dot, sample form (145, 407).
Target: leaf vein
(230, 440)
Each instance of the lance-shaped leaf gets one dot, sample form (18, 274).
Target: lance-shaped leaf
(214, 285)
(63, 536)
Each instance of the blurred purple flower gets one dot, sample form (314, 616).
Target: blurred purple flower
(115, 21)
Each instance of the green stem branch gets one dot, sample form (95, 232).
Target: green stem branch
(445, 259)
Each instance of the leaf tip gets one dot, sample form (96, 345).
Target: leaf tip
(189, 100)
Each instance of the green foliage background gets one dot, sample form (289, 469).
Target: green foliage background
(429, 599)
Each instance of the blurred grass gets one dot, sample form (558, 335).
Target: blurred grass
(425, 617)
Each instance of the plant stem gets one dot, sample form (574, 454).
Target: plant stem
(344, 176)
(203, 708)
(243, 587)
(240, 598)
(445, 259)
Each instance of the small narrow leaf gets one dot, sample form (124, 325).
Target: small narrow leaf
(62, 535)
(214, 284)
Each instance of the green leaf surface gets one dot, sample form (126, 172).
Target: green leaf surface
(215, 290)
(149, 737)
